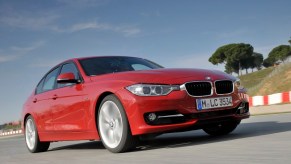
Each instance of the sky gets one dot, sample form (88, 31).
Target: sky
(36, 35)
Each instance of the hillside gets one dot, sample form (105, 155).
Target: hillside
(268, 81)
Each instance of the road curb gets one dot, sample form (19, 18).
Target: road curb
(276, 98)
(271, 109)
(10, 133)
(262, 114)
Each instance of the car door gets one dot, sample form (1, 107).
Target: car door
(69, 104)
(42, 101)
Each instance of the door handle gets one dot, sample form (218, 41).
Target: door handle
(55, 97)
(34, 100)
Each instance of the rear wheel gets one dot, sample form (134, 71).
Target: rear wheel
(32, 139)
(221, 128)
(113, 126)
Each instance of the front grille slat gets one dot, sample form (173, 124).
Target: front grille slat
(224, 87)
(199, 88)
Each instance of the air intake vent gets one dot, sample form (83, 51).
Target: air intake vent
(224, 87)
(199, 88)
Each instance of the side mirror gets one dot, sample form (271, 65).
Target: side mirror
(67, 78)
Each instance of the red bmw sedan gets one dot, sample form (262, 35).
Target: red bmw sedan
(119, 99)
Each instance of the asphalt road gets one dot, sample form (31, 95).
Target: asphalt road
(260, 139)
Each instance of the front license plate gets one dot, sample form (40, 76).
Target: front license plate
(217, 102)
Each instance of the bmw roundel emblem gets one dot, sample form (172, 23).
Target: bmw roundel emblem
(207, 78)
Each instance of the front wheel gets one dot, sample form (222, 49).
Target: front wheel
(33, 143)
(221, 128)
(113, 126)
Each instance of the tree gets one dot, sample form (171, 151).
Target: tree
(279, 53)
(231, 66)
(219, 55)
(236, 57)
(268, 63)
(256, 61)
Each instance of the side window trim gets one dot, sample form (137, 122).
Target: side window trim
(60, 66)
(40, 84)
(55, 83)
(44, 77)
(79, 74)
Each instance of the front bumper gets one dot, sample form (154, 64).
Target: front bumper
(175, 112)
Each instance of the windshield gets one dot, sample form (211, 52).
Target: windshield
(105, 65)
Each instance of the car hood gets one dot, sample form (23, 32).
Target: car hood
(166, 76)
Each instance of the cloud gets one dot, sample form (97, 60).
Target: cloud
(53, 19)
(89, 25)
(126, 30)
(28, 21)
(7, 58)
(49, 22)
(16, 52)
(28, 48)
(81, 3)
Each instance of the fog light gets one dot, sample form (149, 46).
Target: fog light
(152, 117)
(242, 106)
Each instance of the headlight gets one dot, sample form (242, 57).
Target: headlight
(151, 90)
(237, 83)
(241, 89)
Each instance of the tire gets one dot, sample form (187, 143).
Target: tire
(33, 143)
(113, 126)
(220, 129)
